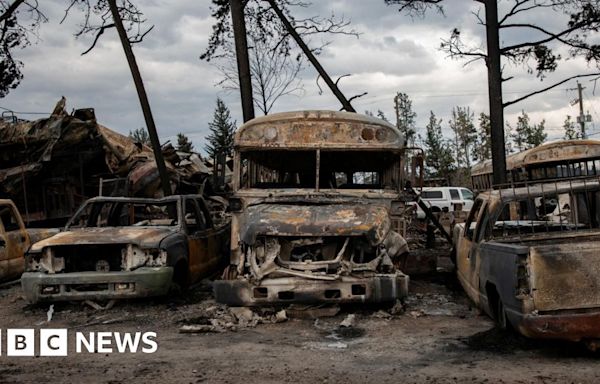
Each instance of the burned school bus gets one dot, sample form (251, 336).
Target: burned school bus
(316, 205)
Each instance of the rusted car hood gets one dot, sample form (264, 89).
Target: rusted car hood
(145, 237)
(316, 220)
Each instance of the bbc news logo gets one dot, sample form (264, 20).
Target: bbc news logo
(55, 342)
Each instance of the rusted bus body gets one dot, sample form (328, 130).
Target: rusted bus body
(117, 247)
(15, 240)
(549, 161)
(316, 205)
(529, 258)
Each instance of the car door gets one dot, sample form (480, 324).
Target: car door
(3, 254)
(15, 242)
(467, 256)
(203, 257)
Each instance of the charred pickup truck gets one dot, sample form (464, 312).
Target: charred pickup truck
(118, 247)
(530, 258)
(315, 211)
(15, 240)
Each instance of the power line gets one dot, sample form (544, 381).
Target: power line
(25, 113)
(437, 94)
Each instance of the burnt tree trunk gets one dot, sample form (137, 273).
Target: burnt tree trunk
(495, 92)
(241, 54)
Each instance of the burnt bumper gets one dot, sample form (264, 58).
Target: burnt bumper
(566, 326)
(142, 282)
(376, 289)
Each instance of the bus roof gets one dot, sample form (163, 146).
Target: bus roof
(318, 129)
(554, 151)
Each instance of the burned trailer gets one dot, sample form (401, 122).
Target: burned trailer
(316, 208)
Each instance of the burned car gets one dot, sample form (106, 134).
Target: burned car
(529, 257)
(315, 211)
(118, 247)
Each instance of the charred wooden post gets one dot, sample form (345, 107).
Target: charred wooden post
(141, 91)
(311, 57)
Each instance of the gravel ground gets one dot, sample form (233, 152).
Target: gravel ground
(436, 338)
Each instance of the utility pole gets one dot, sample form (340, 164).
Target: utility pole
(311, 57)
(495, 92)
(581, 114)
(141, 91)
(241, 54)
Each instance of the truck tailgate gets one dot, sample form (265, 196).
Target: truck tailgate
(565, 276)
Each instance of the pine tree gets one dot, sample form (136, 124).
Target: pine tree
(538, 134)
(526, 135)
(140, 135)
(438, 160)
(508, 143)
(220, 139)
(483, 148)
(405, 117)
(571, 133)
(184, 144)
(465, 135)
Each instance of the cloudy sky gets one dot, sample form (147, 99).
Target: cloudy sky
(393, 53)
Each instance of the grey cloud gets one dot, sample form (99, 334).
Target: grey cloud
(394, 53)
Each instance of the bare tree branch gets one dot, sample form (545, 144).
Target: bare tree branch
(98, 34)
(10, 10)
(551, 36)
(356, 97)
(547, 88)
(417, 8)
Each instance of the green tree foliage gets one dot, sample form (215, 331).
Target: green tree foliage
(508, 144)
(465, 135)
(571, 131)
(220, 139)
(141, 136)
(184, 144)
(439, 160)
(483, 148)
(526, 135)
(405, 117)
(379, 114)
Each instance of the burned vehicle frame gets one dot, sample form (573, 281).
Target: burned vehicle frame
(315, 211)
(528, 256)
(117, 247)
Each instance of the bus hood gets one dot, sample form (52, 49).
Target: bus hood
(370, 220)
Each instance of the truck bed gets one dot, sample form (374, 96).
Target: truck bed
(563, 269)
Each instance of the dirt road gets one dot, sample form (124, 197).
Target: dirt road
(438, 339)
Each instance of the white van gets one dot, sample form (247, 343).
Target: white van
(453, 198)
